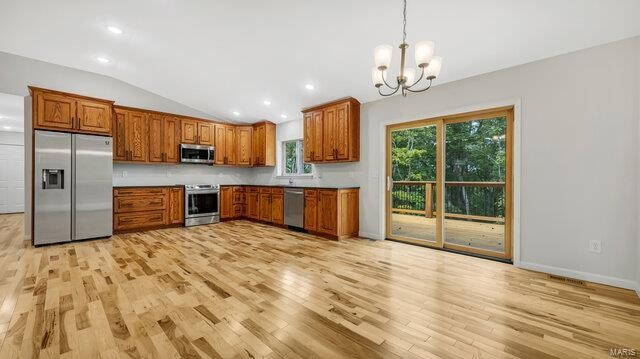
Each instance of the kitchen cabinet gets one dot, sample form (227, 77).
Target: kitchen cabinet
(225, 142)
(264, 144)
(197, 132)
(176, 205)
(206, 133)
(311, 209)
(226, 202)
(265, 204)
(332, 132)
(253, 202)
(171, 138)
(130, 136)
(244, 138)
(277, 206)
(139, 208)
(328, 211)
(60, 111)
(313, 136)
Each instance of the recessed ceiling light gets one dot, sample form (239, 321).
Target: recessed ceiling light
(283, 116)
(6, 127)
(114, 29)
(236, 113)
(309, 86)
(102, 60)
(266, 102)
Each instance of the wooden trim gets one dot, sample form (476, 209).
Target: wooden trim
(350, 99)
(36, 89)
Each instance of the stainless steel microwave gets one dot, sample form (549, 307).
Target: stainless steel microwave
(196, 153)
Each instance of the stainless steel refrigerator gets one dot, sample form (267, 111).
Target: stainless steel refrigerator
(72, 187)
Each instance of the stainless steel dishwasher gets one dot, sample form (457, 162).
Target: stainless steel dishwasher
(294, 207)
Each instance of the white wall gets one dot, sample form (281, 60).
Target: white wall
(578, 157)
(11, 138)
(177, 174)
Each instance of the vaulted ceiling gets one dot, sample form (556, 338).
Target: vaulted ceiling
(226, 56)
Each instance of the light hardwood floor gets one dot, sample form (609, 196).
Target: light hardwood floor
(239, 289)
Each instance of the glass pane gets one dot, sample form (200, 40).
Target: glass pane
(413, 170)
(475, 166)
(290, 159)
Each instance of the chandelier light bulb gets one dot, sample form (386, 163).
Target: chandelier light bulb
(376, 77)
(424, 53)
(433, 70)
(382, 55)
(410, 77)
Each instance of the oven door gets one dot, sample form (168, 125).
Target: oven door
(196, 154)
(202, 203)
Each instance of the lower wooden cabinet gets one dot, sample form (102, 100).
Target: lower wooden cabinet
(333, 212)
(137, 208)
(330, 212)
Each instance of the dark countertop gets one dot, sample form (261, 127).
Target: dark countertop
(245, 185)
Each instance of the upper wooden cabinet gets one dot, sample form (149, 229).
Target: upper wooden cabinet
(53, 110)
(164, 133)
(197, 132)
(206, 133)
(244, 138)
(130, 136)
(264, 144)
(225, 142)
(332, 132)
(189, 131)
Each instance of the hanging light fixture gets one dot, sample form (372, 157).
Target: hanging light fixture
(428, 65)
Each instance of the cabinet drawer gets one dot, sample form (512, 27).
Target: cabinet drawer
(139, 191)
(238, 189)
(253, 189)
(311, 193)
(265, 189)
(139, 203)
(126, 221)
(277, 190)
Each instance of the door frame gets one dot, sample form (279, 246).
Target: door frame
(440, 122)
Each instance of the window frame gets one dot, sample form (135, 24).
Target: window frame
(299, 159)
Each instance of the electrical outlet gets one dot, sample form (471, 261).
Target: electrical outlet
(595, 246)
(124, 173)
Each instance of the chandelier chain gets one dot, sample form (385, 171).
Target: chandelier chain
(404, 22)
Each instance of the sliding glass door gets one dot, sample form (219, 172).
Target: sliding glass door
(449, 182)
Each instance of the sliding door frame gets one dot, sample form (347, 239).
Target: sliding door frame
(440, 122)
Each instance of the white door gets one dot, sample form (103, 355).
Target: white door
(11, 179)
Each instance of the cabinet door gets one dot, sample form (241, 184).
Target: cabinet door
(120, 135)
(243, 153)
(309, 136)
(311, 210)
(328, 135)
(176, 205)
(220, 136)
(188, 131)
(137, 136)
(171, 138)
(94, 116)
(341, 132)
(155, 138)
(258, 145)
(226, 202)
(55, 111)
(230, 144)
(253, 204)
(265, 207)
(328, 211)
(317, 135)
(206, 133)
(277, 208)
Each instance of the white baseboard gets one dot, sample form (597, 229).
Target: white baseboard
(595, 278)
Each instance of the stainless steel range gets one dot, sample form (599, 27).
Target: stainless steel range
(202, 204)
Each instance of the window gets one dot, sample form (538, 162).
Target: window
(293, 158)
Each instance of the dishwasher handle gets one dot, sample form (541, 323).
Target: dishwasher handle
(294, 191)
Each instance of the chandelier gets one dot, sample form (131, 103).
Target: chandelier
(428, 65)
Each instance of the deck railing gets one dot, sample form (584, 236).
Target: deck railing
(417, 198)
